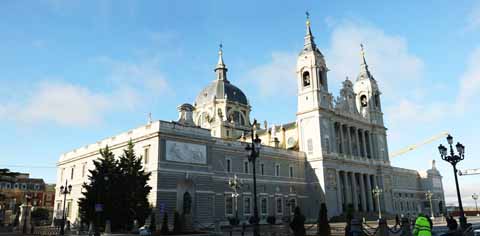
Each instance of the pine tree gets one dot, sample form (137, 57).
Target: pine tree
(134, 180)
(103, 187)
(323, 225)
(164, 230)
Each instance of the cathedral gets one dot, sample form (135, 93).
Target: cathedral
(335, 152)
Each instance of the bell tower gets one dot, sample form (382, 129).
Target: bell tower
(368, 95)
(311, 75)
(312, 96)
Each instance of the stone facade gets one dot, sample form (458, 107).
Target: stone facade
(335, 152)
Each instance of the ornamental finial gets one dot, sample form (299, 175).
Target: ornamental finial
(308, 18)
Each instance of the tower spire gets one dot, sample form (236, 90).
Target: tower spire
(363, 63)
(309, 43)
(221, 69)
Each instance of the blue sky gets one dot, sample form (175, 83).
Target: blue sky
(74, 72)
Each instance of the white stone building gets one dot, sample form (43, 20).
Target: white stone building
(335, 152)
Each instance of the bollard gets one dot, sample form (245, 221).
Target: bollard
(356, 227)
(405, 226)
(382, 228)
(108, 228)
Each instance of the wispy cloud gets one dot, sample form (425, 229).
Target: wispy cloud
(276, 76)
(59, 102)
(470, 83)
(388, 56)
(130, 86)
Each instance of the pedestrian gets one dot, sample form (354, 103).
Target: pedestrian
(298, 223)
(422, 226)
(452, 228)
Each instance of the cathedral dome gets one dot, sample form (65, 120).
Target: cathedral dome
(221, 89)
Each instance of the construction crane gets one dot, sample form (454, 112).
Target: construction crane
(415, 146)
(469, 172)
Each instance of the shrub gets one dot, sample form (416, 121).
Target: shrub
(177, 223)
(164, 230)
(271, 220)
(234, 221)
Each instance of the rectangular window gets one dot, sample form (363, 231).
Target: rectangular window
(310, 146)
(247, 205)
(228, 205)
(83, 169)
(293, 204)
(262, 169)
(279, 203)
(229, 165)
(146, 155)
(72, 172)
(263, 206)
(245, 167)
(277, 169)
(69, 209)
(290, 171)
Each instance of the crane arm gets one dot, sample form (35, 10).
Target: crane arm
(469, 172)
(415, 146)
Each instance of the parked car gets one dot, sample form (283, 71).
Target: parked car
(144, 231)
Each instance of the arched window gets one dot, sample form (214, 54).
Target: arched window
(377, 100)
(363, 101)
(237, 117)
(306, 79)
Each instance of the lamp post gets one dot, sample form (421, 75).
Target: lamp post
(27, 199)
(453, 160)
(64, 190)
(376, 193)
(253, 151)
(429, 195)
(475, 198)
(235, 184)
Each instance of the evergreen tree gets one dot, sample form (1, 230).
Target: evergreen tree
(177, 224)
(135, 189)
(103, 188)
(323, 225)
(164, 230)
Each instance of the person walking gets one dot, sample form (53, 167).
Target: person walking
(422, 226)
(452, 228)
(298, 223)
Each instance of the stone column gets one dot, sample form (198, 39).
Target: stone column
(339, 193)
(368, 150)
(374, 185)
(364, 134)
(363, 193)
(369, 193)
(348, 191)
(358, 142)
(342, 139)
(334, 138)
(354, 191)
(372, 146)
(349, 141)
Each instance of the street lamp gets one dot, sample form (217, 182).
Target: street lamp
(253, 151)
(475, 198)
(454, 159)
(26, 209)
(235, 184)
(376, 193)
(429, 195)
(64, 190)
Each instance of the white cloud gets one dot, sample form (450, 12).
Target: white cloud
(275, 77)
(130, 85)
(388, 56)
(415, 112)
(470, 83)
(59, 102)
